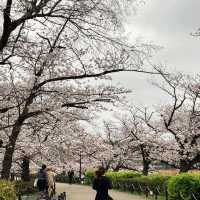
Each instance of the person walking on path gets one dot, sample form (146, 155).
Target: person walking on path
(102, 184)
(71, 176)
(51, 182)
(42, 180)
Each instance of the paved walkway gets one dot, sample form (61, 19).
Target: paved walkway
(79, 192)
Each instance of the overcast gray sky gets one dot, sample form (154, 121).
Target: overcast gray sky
(169, 24)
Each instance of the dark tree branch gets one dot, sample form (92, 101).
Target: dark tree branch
(83, 76)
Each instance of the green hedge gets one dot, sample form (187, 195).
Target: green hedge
(7, 190)
(89, 175)
(179, 187)
(133, 181)
(184, 186)
(63, 178)
(143, 184)
(123, 174)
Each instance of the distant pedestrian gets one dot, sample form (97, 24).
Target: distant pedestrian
(42, 181)
(82, 178)
(102, 184)
(12, 176)
(71, 176)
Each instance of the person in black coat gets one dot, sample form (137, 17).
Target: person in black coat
(71, 176)
(42, 182)
(102, 184)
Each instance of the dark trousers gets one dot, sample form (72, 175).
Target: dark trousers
(42, 185)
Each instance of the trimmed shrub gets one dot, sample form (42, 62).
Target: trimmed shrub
(179, 187)
(123, 174)
(159, 182)
(133, 181)
(184, 186)
(7, 190)
(63, 178)
(142, 184)
(89, 177)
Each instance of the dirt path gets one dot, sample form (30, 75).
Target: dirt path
(78, 192)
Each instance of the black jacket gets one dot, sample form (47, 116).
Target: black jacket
(101, 185)
(42, 175)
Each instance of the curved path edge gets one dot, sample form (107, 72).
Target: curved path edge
(81, 192)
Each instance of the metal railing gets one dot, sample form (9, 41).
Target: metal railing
(154, 191)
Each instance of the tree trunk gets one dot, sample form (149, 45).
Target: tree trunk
(145, 161)
(8, 156)
(7, 160)
(7, 26)
(184, 166)
(145, 169)
(117, 168)
(25, 173)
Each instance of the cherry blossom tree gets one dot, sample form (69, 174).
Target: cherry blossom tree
(120, 154)
(56, 56)
(143, 143)
(47, 140)
(178, 120)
